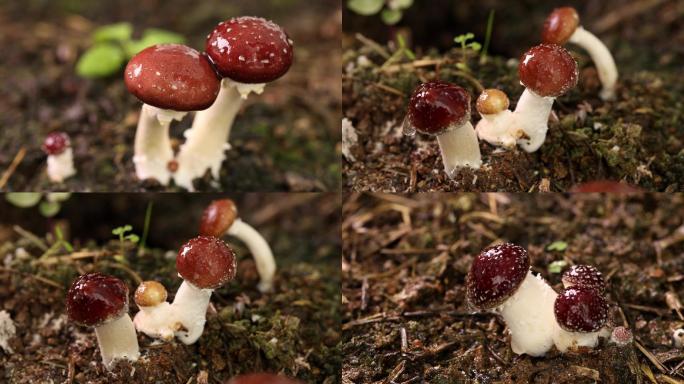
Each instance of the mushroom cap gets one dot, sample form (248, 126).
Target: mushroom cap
(262, 378)
(56, 143)
(584, 276)
(438, 106)
(149, 294)
(621, 336)
(206, 262)
(581, 309)
(94, 299)
(250, 50)
(218, 217)
(495, 275)
(560, 25)
(548, 70)
(492, 101)
(606, 186)
(172, 76)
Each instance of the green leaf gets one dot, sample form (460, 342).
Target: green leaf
(23, 199)
(133, 238)
(559, 246)
(391, 16)
(58, 196)
(113, 32)
(152, 37)
(475, 46)
(365, 7)
(459, 39)
(118, 231)
(49, 208)
(101, 60)
(557, 266)
(403, 4)
(462, 66)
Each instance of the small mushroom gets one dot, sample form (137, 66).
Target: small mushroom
(101, 301)
(547, 71)
(562, 26)
(262, 378)
(154, 318)
(500, 280)
(205, 263)
(494, 127)
(585, 276)
(220, 218)
(604, 186)
(60, 161)
(678, 338)
(248, 52)
(171, 80)
(580, 312)
(442, 109)
(621, 336)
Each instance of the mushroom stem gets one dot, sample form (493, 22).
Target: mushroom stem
(152, 145)
(189, 308)
(605, 65)
(529, 316)
(460, 149)
(156, 321)
(534, 111)
(61, 166)
(117, 340)
(495, 129)
(261, 251)
(564, 339)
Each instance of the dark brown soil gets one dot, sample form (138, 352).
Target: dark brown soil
(405, 259)
(285, 139)
(294, 330)
(636, 138)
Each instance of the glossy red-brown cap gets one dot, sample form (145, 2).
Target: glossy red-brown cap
(605, 186)
(581, 309)
(262, 378)
(56, 143)
(492, 101)
(585, 276)
(172, 76)
(95, 299)
(438, 106)
(206, 262)
(621, 336)
(150, 294)
(560, 25)
(218, 217)
(250, 50)
(548, 70)
(495, 275)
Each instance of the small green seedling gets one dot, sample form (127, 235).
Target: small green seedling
(559, 246)
(123, 238)
(401, 52)
(465, 46)
(557, 266)
(113, 45)
(391, 11)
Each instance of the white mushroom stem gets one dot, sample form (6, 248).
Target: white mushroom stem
(565, 340)
(605, 65)
(459, 149)
(60, 167)
(207, 140)
(156, 321)
(495, 129)
(153, 149)
(261, 251)
(531, 116)
(117, 340)
(529, 316)
(189, 308)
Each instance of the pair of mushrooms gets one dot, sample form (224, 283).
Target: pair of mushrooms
(538, 318)
(546, 71)
(241, 56)
(205, 263)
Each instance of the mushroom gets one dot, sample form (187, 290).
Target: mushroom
(248, 52)
(678, 338)
(585, 276)
(171, 80)
(604, 186)
(621, 336)
(60, 161)
(154, 318)
(494, 127)
(205, 263)
(580, 312)
(101, 301)
(443, 109)
(220, 218)
(500, 280)
(262, 378)
(562, 26)
(547, 71)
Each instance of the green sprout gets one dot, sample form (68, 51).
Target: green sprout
(123, 238)
(488, 37)
(113, 45)
(465, 46)
(391, 11)
(402, 51)
(146, 228)
(59, 244)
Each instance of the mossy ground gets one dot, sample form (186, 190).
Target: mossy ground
(405, 260)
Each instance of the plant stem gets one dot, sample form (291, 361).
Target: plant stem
(146, 228)
(488, 36)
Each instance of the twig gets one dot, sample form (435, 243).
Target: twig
(31, 237)
(124, 268)
(389, 89)
(18, 158)
(364, 294)
(650, 356)
(373, 45)
(44, 280)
